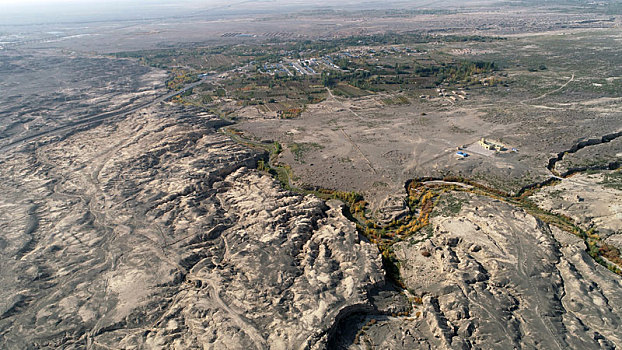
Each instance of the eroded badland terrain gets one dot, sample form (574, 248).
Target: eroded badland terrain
(434, 176)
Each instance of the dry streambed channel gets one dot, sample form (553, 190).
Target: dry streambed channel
(423, 193)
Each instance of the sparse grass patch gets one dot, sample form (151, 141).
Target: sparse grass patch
(449, 205)
(613, 180)
(299, 150)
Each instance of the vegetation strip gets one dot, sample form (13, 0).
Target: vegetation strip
(423, 195)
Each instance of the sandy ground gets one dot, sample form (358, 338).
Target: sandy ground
(584, 198)
(366, 146)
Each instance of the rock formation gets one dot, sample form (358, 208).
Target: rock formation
(493, 276)
(154, 232)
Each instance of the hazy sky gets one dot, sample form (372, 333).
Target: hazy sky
(64, 2)
(33, 4)
(17, 12)
(180, 3)
(54, 11)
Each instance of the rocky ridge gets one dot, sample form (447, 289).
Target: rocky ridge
(154, 232)
(493, 276)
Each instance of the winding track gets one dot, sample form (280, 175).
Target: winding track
(550, 92)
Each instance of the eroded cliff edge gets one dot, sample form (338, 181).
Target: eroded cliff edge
(155, 232)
